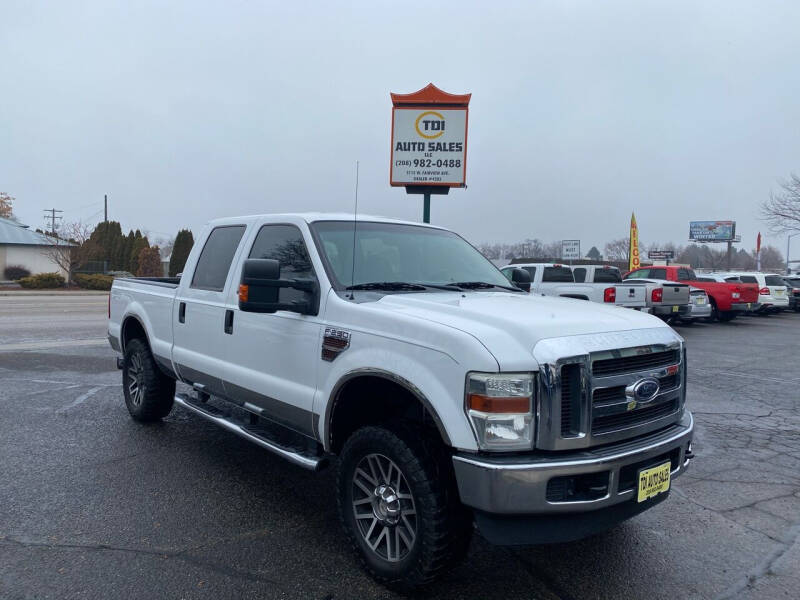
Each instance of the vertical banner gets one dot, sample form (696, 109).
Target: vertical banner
(758, 252)
(633, 250)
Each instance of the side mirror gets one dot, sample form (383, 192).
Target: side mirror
(522, 279)
(260, 285)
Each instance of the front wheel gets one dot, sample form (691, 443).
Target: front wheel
(399, 507)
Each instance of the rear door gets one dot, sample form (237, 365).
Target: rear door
(199, 311)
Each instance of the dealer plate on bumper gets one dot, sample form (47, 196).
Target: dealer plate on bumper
(653, 481)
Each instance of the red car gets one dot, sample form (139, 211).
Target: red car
(728, 300)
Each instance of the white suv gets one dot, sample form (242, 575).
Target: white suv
(772, 293)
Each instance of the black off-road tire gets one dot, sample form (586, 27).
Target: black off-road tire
(149, 393)
(443, 524)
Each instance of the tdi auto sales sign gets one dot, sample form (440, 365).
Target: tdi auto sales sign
(429, 142)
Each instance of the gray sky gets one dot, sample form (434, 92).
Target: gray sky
(581, 111)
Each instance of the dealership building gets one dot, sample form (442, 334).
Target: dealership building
(20, 246)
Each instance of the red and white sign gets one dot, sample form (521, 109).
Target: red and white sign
(429, 138)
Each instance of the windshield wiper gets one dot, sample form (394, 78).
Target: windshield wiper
(388, 286)
(483, 285)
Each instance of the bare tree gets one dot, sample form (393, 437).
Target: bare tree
(6, 205)
(69, 249)
(617, 250)
(782, 210)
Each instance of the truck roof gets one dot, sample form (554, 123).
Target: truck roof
(311, 217)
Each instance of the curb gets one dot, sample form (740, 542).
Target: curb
(53, 293)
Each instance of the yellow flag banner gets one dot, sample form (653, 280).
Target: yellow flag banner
(633, 250)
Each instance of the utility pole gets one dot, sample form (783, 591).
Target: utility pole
(53, 218)
(105, 205)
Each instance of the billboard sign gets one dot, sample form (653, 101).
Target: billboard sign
(429, 138)
(661, 254)
(712, 231)
(570, 249)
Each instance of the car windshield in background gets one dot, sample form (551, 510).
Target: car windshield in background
(774, 280)
(607, 276)
(747, 279)
(558, 274)
(794, 282)
(397, 254)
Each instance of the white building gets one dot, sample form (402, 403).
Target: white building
(20, 246)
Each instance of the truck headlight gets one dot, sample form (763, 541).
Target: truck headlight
(500, 409)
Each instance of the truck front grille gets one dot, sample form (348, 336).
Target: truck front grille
(626, 364)
(625, 420)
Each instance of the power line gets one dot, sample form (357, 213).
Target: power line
(53, 218)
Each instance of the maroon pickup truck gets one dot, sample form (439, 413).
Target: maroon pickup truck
(728, 300)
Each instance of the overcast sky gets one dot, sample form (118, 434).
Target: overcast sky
(581, 111)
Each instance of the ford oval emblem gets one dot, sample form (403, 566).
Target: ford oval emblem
(645, 390)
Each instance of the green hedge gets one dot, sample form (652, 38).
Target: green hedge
(42, 281)
(93, 282)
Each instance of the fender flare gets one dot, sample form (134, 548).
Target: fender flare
(389, 376)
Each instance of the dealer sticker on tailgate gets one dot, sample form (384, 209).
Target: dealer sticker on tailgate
(653, 481)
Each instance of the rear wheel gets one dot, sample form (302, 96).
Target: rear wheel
(148, 392)
(399, 506)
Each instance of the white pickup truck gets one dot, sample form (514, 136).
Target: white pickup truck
(604, 285)
(449, 396)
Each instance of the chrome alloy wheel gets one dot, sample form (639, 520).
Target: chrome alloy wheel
(135, 380)
(384, 508)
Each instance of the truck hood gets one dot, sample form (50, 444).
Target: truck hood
(509, 325)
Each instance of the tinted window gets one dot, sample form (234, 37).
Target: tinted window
(794, 282)
(559, 274)
(640, 274)
(734, 280)
(285, 244)
(216, 257)
(531, 271)
(748, 279)
(683, 275)
(661, 274)
(580, 274)
(705, 279)
(607, 276)
(774, 280)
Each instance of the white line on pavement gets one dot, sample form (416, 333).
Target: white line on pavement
(80, 399)
(47, 344)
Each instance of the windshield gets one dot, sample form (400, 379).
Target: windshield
(391, 252)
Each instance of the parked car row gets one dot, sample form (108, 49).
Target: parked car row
(674, 293)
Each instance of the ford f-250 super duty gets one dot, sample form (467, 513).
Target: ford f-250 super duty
(450, 396)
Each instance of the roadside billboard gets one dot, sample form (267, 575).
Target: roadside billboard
(712, 231)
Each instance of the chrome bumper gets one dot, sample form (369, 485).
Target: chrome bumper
(518, 485)
(684, 310)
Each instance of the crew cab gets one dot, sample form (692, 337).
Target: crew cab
(728, 299)
(451, 397)
(602, 284)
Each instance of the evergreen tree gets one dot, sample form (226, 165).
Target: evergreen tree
(139, 242)
(149, 262)
(180, 251)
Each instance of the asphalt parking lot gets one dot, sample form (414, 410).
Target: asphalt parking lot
(94, 505)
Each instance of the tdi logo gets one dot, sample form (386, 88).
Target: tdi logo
(430, 125)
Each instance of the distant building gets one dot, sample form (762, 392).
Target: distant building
(20, 246)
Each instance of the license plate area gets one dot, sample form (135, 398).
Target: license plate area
(653, 481)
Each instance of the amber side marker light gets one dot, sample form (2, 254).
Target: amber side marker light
(244, 292)
(489, 404)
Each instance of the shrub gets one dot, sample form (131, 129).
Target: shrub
(42, 281)
(14, 272)
(93, 282)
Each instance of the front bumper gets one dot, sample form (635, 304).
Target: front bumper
(518, 485)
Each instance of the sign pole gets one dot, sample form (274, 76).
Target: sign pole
(426, 208)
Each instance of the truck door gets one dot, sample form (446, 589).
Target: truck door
(199, 311)
(273, 357)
